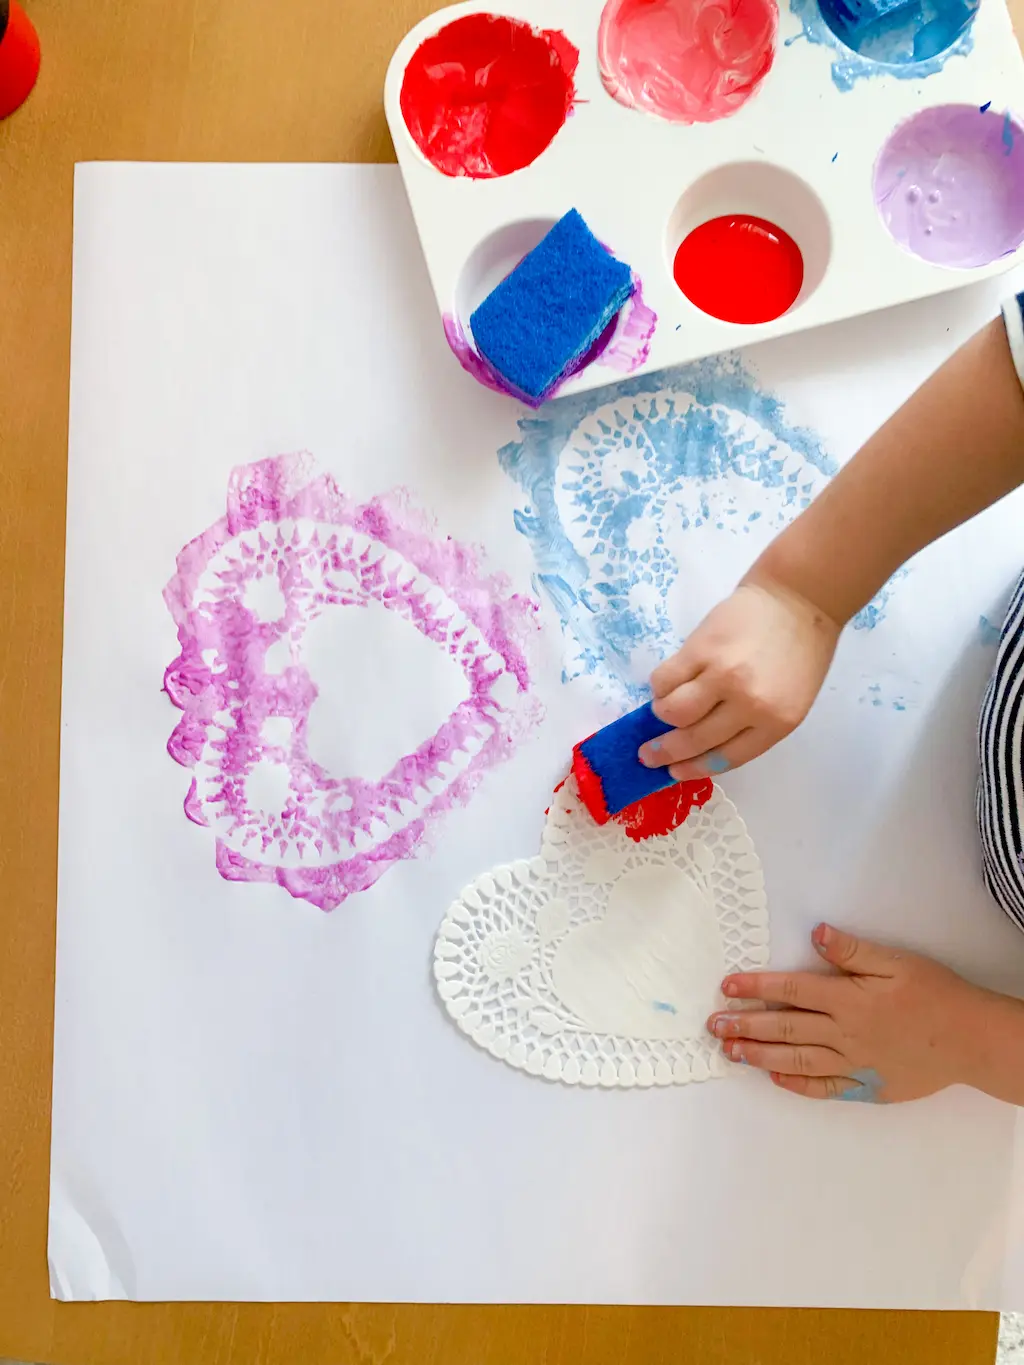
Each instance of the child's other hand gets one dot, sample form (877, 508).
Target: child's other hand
(745, 679)
(887, 1027)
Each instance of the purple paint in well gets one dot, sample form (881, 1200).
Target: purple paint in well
(949, 185)
(624, 345)
(333, 836)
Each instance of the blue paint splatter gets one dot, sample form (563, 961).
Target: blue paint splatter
(882, 698)
(870, 616)
(868, 1088)
(989, 635)
(664, 1007)
(905, 41)
(835, 158)
(1007, 134)
(984, 108)
(615, 478)
(716, 764)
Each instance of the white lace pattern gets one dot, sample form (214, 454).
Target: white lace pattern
(596, 962)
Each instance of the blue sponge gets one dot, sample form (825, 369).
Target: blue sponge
(551, 309)
(609, 775)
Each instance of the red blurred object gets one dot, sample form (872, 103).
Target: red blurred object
(659, 813)
(19, 56)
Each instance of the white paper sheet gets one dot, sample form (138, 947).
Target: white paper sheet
(254, 1099)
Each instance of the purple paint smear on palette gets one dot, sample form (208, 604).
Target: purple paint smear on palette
(245, 693)
(624, 346)
(949, 185)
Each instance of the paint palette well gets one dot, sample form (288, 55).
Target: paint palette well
(761, 170)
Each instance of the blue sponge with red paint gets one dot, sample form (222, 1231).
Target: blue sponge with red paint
(609, 775)
(544, 317)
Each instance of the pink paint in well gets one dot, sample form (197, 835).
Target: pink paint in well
(688, 61)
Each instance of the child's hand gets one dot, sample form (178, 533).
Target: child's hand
(893, 1026)
(745, 678)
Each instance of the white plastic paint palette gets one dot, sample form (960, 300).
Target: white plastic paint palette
(894, 179)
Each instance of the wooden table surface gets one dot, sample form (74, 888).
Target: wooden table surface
(227, 80)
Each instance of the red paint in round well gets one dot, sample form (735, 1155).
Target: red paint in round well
(19, 57)
(487, 94)
(740, 269)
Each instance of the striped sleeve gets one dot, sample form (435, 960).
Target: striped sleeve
(1013, 316)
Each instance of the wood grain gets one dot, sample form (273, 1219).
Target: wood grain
(232, 80)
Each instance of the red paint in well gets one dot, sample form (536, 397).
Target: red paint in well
(487, 94)
(659, 813)
(19, 58)
(740, 269)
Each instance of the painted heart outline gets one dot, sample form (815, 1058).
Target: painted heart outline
(498, 949)
(630, 491)
(242, 684)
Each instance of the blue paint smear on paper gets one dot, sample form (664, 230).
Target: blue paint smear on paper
(989, 634)
(606, 472)
(905, 41)
(874, 613)
(664, 1007)
(886, 698)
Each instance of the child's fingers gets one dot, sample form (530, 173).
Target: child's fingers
(858, 956)
(744, 746)
(785, 1059)
(682, 668)
(799, 1027)
(688, 703)
(721, 724)
(800, 990)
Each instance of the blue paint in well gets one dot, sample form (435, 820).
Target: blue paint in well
(613, 479)
(868, 1088)
(989, 634)
(905, 41)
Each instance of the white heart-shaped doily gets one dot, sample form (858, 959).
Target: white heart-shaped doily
(598, 962)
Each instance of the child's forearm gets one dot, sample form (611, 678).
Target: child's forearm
(994, 1048)
(953, 449)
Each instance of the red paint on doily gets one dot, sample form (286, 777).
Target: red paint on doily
(588, 784)
(659, 813)
(487, 94)
(664, 811)
(740, 269)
